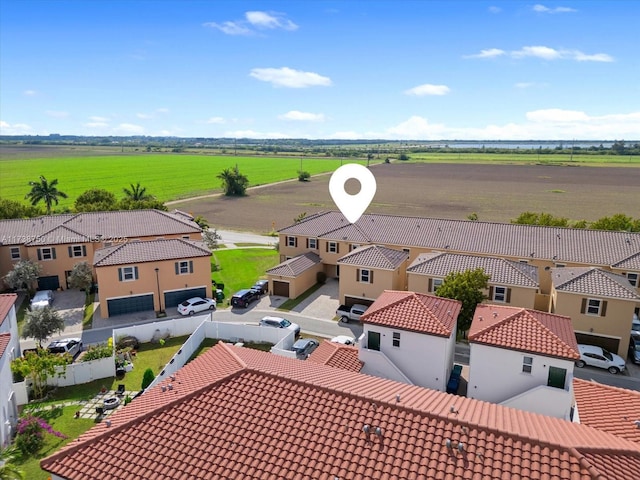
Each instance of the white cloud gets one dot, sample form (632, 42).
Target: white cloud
(416, 128)
(428, 89)
(14, 129)
(30, 93)
(546, 53)
(269, 20)
(57, 114)
(297, 116)
(494, 9)
(488, 53)
(144, 116)
(96, 124)
(543, 9)
(129, 129)
(162, 110)
(230, 28)
(596, 57)
(288, 77)
(216, 120)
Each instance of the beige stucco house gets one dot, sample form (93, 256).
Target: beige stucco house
(295, 275)
(510, 283)
(152, 275)
(600, 303)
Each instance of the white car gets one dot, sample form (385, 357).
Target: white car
(195, 305)
(344, 339)
(72, 346)
(599, 357)
(278, 322)
(42, 298)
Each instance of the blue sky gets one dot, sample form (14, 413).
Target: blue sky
(319, 69)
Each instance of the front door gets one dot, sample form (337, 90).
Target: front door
(67, 274)
(373, 341)
(557, 377)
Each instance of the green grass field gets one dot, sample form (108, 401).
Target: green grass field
(240, 268)
(167, 177)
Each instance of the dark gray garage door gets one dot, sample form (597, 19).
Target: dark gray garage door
(611, 344)
(349, 301)
(138, 303)
(173, 299)
(281, 288)
(48, 283)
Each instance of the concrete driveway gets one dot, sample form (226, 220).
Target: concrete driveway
(70, 305)
(322, 304)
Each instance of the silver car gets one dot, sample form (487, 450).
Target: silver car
(42, 298)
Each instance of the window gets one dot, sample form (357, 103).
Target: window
(185, 237)
(15, 253)
(593, 306)
(292, 241)
(396, 339)
(560, 265)
(127, 274)
(634, 278)
(406, 250)
(312, 243)
(332, 247)
(46, 253)
(363, 275)
(500, 294)
(184, 267)
(434, 284)
(527, 364)
(354, 246)
(77, 251)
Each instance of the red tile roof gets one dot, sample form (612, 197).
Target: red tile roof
(5, 339)
(524, 330)
(236, 413)
(611, 409)
(337, 355)
(417, 312)
(7, 300)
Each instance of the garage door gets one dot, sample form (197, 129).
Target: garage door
(48, 283)
(173, 299)
(611, 344)
(281, 288)
(349, 301)
(138, 303)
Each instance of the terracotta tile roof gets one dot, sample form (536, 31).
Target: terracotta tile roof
(524, 330)
(611, 409)
(236, 413)
(7, 300)
(296, 265)
(416, 312)
(150, 251)
(58, 235)
(502, 271)
(5, 340)
(498, 239)
(375, 256)
(110, 225)
(593, 281)
(337, 355)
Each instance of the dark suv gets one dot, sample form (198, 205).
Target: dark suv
(244, 297)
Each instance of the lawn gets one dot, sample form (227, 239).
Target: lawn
(168, 176)
(241, 267)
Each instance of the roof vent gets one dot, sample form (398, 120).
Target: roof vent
(495, 314)
(163, 388)
(378, 431)
(558, 235)
(447, 442)
(480, 318)
(460, 447)
(366, 429)
(170, 386)
(532, 254)
(108, 423)
(453, 409)
(398, 398)
(173, 378)
(637, 422)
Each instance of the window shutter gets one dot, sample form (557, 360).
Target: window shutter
(490, 293)
(326, 245)
(357, 274)
(430, 286)
(307, 243)
(53, 252)
(370, 276)
(295, 242)
(508, 295)
(39, 254)
(70, 251)
(135, 272)
(177, 265)
(337, 247)
(84, 250)
(190, 266)
(583, 308)
(603, 310)
(120, 274)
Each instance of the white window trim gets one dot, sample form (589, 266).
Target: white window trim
(634, 278)
(291, 241)
(435, 283)
(333, 247)
(503, 294)
(15, 249)
(313, 243)
(527, 363)
(395, 338)
(588, 306)
(73, 251)
(362, 275)
(124, 274)
(186, 267)
(50, 253)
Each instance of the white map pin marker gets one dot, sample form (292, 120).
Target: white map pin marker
(352, 206)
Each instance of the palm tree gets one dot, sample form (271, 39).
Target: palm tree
(233, 182)
(9, 471)
(137, 193)
(44, 191)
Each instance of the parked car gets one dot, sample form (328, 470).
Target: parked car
(278, 322)
(195, 305)
(354, 312)
(634, 347)
(599, 357)
(635, 324)
(261, 286)
(304, 347)
(243, 298)
(344, 339)
(72, 346)
(42, 298)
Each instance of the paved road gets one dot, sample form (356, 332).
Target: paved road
(232, 237)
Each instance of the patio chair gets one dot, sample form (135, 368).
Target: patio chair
(120, 391)
(100, 411)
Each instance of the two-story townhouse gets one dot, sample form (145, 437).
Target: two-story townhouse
(152, 275)
(368, 271)
(510, 283)
(523, 359)
(9, 350)
(630, 268)
(410, 337)
(600, 303)
(57, 242)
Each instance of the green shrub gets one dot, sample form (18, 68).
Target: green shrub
(303, 176)
(147, 378)
(94, 352)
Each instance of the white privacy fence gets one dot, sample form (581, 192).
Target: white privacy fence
(84, 372)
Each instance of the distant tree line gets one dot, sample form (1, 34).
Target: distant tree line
(617, 222)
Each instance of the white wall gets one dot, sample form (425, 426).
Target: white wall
(176, 327)
(378, 364)
(424, 359)
(8, 401)
(10, 325)
(495, 374)
(84, 372)
(549, 401)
